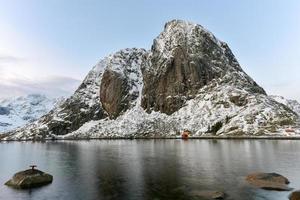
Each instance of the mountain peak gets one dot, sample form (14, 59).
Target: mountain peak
(186, 25)
(181, 29)
(184, 58)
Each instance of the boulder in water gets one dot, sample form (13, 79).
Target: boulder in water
(29, 178)
(209, 194)
(295, 195)
(269, 181)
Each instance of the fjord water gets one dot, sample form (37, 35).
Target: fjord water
(149, 169)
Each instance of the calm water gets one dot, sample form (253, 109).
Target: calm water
(149, 169)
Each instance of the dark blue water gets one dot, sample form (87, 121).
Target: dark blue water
(149, 169)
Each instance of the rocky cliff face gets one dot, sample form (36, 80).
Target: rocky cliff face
(188, 80)
(121, 83)
(184, 58)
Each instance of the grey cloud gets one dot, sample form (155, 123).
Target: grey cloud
(10, 59)
(51, 86)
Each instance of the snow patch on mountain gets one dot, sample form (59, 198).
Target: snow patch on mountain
(292, 104)
(127, 62)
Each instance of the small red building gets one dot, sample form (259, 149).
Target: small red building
(290, 130)
(185, 134)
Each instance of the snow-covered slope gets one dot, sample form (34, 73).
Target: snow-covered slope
(16, 112)
(188, 80)
(291, 104)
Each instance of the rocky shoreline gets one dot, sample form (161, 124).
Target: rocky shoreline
(163, 137)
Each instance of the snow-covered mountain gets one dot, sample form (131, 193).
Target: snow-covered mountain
(18, 111)
(291, 104)
(187, 80)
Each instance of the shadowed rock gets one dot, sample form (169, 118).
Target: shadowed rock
(209, 194)
(29, 179)
(121, 82)
(114, 93)
(269, 181)
(295, 195)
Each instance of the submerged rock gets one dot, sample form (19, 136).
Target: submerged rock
(218, 195)
(29, 178)
(295, 195)
(209, 194)
(269, 181)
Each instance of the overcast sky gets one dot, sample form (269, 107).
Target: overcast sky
(44, 43)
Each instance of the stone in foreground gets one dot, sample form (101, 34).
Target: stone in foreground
(29, 178)
(269, 181)
(295, 195)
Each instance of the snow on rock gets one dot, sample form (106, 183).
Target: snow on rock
(85, 105)
(291, 104)
(260, 116)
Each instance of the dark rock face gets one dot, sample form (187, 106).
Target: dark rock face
(122, 81)
(269, 181)
(180, 82)
(183, 59)
(238, 100)
(4, 124)
(4, 111)
(29, 179)
(114, 93)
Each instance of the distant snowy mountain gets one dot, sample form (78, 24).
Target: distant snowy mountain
(16, 112)
(291, 104)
